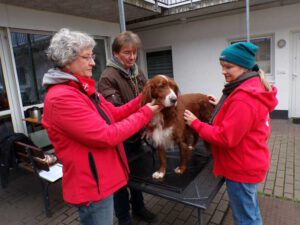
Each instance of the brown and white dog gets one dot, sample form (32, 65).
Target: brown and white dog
(168, 127)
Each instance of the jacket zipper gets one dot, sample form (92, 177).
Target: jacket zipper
(94, 170)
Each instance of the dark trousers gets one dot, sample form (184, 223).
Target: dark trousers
(122, 203)
(122, 200)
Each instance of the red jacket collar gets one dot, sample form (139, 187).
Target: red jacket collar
(86, 84)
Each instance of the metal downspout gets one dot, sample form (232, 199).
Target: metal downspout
(248, 20)
(121, 15)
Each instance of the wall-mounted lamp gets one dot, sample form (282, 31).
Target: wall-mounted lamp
(281, 43)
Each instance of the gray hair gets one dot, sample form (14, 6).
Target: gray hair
(65, 46)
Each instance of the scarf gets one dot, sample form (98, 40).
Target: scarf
(86, 84)
(132, 72)
(229, 88)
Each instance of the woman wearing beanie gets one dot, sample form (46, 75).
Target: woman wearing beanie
(239, 130)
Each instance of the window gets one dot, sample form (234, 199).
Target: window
(3, 95)
(264, 56)
(31, 64)
(160, 62)
(100, 60)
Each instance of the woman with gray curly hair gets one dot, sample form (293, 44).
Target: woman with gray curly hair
(85, 130)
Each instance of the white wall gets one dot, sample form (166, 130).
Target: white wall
(17, 17)
(196, 47)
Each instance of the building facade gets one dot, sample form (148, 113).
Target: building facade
(24, 36)
(196, 44)
(187, 50)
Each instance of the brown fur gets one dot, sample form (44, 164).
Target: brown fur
(158, 88)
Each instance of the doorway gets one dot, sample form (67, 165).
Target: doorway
(6, 127)
(295, 78)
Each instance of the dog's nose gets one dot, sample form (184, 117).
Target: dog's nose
(173, 99)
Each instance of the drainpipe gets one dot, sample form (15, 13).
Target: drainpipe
(121, 15)
(248, 20)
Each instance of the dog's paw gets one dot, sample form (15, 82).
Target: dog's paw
(158, 175)
(178, 170)
(191, 148)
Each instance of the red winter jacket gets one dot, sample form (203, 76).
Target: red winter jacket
(240, 133)
(76, 131)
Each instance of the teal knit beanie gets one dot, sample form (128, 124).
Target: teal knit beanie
(241, 54)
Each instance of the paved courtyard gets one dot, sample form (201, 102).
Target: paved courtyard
(21, 203)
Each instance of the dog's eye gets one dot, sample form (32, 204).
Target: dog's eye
(162, 85)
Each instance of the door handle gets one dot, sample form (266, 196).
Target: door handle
(294, 75)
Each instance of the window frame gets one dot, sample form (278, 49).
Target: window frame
(269, 76)
(17, 110)
(168, 48)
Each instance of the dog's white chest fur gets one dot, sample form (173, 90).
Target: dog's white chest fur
(162, 137)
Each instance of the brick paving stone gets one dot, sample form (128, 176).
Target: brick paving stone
(279, 182)
(288, 188)
(289, 171)
(156, 209)
(223, 205)
(179, 222)
(217, 217)
(75, 223)
(289, 179)
(297, 177)
(168, 207)
(185, 213)
(217, 197)
(225, 196)
(297, 195)
(281, 166)
(71, 211)
(271, 176)
(268, 191)
(211, 208)
(297, 185)
(159, 218)
(70, 218)
(191, 221)
(260, 187)
(289, 196)
(58, 219)
(278, 191)
(280, 174)
(269, 185)
(205, 218)
(171, 217)
(144, 223)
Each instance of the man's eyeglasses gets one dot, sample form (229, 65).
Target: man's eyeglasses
(88, 58)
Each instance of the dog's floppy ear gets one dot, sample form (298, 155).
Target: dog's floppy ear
(146, 93)
(174, 86)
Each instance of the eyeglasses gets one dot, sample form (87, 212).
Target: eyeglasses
(88, 58)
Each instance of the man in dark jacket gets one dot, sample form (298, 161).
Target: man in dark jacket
(120, 82)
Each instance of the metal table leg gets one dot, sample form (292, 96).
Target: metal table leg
(200, 219)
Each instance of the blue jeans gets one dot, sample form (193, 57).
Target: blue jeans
(99, 213)
(244, 203)
(121, 203)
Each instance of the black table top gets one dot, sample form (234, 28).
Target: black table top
(199, 191)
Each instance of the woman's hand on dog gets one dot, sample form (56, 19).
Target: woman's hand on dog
(212, 99)
(154, 107)
(189, 117)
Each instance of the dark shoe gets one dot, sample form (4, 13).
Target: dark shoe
(127, 222)
(145, 215)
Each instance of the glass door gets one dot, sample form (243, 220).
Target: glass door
(6, 127)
